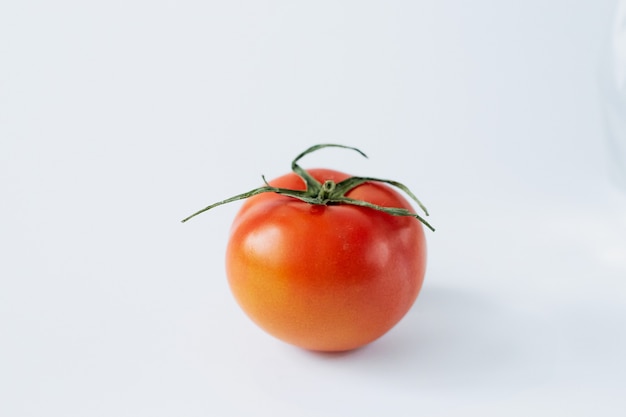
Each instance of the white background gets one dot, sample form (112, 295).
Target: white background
(119, 118)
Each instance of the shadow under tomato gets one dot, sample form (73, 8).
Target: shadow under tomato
(454, 337)
(453, 343)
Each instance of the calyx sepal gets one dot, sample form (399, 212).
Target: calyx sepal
(328, 192)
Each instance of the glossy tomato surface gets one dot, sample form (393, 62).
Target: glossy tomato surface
(328, 278)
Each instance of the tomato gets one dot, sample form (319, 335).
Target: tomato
(325, 277)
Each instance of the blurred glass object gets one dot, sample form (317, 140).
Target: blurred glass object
(614, 95)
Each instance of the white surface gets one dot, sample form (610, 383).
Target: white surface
(118, 119)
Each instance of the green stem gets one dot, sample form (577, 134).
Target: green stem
(326, 192)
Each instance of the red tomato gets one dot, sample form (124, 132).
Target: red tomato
(325, 277)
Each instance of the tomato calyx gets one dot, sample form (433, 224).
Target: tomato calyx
(328, 192)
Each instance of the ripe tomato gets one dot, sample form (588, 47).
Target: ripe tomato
(327, 277)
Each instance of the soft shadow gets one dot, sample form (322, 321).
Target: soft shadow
(453, 337)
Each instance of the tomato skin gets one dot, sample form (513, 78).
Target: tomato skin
(327, 278)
